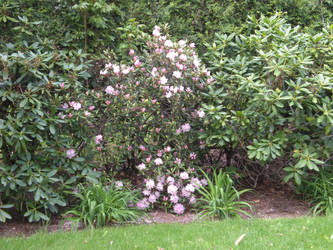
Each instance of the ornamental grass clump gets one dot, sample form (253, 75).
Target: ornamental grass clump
(220, 199)
(99, 205)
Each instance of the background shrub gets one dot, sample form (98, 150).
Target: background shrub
(271, 103)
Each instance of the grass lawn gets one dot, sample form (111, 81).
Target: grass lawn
(299, 233)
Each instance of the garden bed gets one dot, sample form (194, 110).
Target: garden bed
(267, 203)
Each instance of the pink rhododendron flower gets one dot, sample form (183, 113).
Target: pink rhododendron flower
(141, 147)
(185, 193)
(172, 189)
(190, 188)
(148, 159)
(159, 153)
(146, 192)
(110, 90)
(204, 182)
(178, 131)
(163, 80)
(192, 45)
(188, 90)
(182, 43)
(193, 156)
(157, 130)
(150, 184)
(91, 108)
(177, 161)
(62, 85)
(70, 115)
(70, 153)
(170, 180)
(152, 198)
(201, 113)
(141, 166)
(183, 57)
(192, 200)
(65, 106)
(172, 55)
(107, 102)
(119, 184)
(168, 43)
(195, 182)
(143, 204)
(158, 161)
(157, 194)
(168, 94)
(167, 149)
(98, 139)
(174, 198)
(159, 186)
(116, 69)
(76, 105)
(179, 208)
(210, 80)
(186, 127)
(177, 74)
(137, 63)
(184, 175)
(156, 33)
(131, 52)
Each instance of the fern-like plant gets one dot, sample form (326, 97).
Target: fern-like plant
(220, 199)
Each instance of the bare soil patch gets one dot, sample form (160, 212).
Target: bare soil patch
(267, 203)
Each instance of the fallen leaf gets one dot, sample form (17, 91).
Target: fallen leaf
(240, 238)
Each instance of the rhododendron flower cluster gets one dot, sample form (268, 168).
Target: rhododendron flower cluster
(177, 192)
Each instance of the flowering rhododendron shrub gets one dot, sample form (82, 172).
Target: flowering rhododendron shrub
(150, 111)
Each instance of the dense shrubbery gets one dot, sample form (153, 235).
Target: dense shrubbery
(85, 93)
(271, 103)
(34, 137)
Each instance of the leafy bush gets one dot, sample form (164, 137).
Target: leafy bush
(220, 199)
(271, 101)
(34, 138)
(99, 205)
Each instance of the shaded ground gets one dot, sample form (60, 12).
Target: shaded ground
(267, 203)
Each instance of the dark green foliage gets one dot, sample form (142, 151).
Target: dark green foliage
(34, 138)
(271, 104)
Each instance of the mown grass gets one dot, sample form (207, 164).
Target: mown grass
(298, 233)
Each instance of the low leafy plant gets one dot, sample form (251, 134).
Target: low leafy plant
(220, 199)
(99, 205)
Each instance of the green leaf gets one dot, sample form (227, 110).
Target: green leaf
(52, 129)
(37, 194)
(301, 164)
(23, 103)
